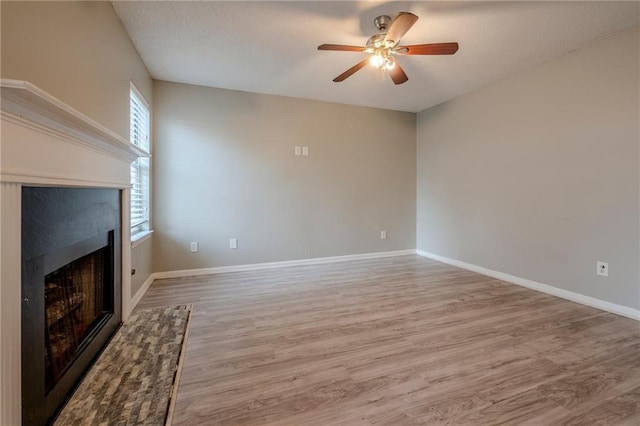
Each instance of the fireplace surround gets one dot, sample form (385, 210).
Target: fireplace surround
(47, 144)
(71, 270)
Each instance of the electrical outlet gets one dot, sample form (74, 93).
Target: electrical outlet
(297, 150)
(305, 151)
(383, 235)
(233, 243)
(194, 246)
(602, 269)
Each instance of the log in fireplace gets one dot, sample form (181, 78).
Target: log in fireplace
(71, 290)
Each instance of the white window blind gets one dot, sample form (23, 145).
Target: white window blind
(139, 134)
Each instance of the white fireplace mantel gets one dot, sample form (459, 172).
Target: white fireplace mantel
(45, 142)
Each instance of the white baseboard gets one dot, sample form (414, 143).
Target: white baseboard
(141, 291)
(544, 288)
(283, 264)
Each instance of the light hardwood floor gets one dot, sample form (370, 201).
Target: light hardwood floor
(397, 341)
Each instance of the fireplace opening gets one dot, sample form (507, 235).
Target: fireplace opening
(77, 298)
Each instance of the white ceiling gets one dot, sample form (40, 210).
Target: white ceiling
(271, 47)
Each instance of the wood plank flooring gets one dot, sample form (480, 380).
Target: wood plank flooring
(397, 341)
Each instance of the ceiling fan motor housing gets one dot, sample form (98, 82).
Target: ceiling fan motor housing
(375, 41)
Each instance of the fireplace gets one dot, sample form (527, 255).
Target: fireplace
(47, 145)
(70, 288)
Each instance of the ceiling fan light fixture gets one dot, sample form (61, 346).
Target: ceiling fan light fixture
(381, 59)
(377, 60)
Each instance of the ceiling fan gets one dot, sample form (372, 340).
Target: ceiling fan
(383, 47)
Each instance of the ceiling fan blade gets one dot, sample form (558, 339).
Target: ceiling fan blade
(397, 74)
(428, 49)
(348, 73)
(399, 27)
(341, 48)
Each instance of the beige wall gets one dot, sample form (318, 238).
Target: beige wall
(77, 51)
(142, 262)
(225, 168)
(80, 53)
(538, 176)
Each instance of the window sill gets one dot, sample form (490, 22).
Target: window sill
(140, 237)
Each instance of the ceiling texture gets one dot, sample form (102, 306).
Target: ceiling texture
(271, 47)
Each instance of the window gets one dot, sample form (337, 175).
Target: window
(139, 136)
